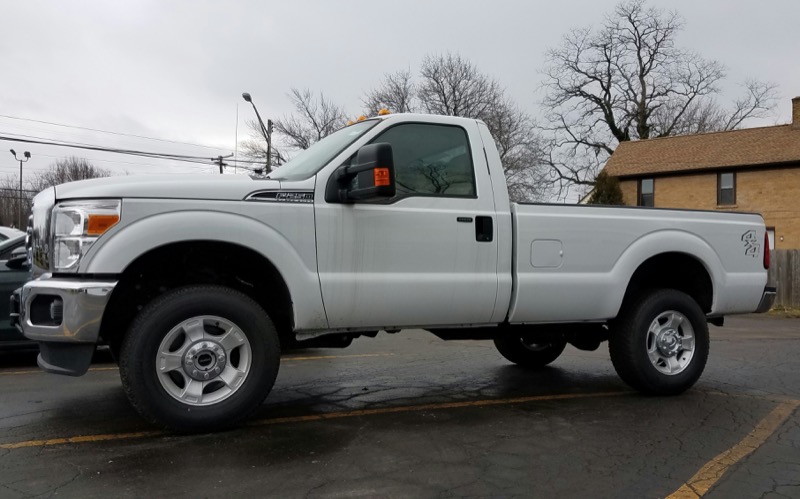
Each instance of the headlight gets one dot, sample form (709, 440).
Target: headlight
(77, 225)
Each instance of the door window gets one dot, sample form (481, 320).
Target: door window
(431, 160)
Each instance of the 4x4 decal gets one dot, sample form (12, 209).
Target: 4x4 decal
(751, 244)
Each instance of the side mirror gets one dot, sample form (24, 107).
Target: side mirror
(371, 177)
(18, 260)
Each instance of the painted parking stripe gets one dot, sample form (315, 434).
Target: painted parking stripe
(712, 472)
(82, 439)
(432, 407)
(322, 357)
(39, 371)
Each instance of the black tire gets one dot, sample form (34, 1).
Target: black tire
(526, 353)
(632, 341)
(147, 389)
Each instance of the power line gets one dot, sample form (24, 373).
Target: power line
(96, 160)
(255, 162)
(82, 145)
(28, 139)
(90, 147)
(113, 133)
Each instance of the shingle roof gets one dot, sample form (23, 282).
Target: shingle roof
(736, 148)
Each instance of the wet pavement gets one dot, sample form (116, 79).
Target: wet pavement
(409, 415)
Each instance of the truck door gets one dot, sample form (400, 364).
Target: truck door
(428, 256)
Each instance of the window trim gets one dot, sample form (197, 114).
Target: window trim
(719, 188)
(639, 192)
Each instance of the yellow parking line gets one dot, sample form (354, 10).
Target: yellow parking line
(431, 407)
(318, 357)
(39, 371)
(710, 474)
(82, 439)
(316, 417)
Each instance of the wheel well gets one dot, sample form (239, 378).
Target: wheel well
(675, 271)
(196, 262)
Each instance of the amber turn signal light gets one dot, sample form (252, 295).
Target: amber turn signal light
(98, 224)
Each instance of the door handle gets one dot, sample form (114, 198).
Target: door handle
(484, 229)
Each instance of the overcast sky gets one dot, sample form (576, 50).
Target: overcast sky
(176, 70)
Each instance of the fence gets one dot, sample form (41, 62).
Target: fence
(785, 272)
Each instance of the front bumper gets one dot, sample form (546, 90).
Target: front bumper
(64, 316)
(767, 299)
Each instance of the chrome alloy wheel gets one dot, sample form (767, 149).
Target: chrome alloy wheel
(203, 360)
(670, 342)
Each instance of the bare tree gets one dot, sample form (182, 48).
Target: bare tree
(66, 170)
(396, 92)
(453, 86)
(13, 204)
(521, 151)
(255, 148)
(314, 118)
(628, 81)
(62, 171)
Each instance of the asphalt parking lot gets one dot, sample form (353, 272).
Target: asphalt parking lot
(409, 415)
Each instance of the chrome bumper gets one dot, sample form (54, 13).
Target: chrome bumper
(767, 299)
(64, 316)
(63, 310)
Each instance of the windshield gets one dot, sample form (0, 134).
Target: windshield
(311, 160)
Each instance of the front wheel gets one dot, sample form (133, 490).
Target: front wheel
(199, 358)
(528, 353)
(660, 344)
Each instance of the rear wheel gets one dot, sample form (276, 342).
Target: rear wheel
(528, 353)
(660, 344)
(199, 358)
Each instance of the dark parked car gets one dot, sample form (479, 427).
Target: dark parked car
(14, 272)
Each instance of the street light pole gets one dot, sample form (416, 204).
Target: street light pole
(266, 130)
(27, 156)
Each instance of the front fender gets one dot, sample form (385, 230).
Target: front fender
(295, 259)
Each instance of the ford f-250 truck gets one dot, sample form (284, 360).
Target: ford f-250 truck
(396, 222)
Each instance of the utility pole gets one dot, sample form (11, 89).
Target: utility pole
(27, 156)
(269, 143)
(218, 159)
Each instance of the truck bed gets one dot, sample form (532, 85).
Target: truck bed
(572, 262)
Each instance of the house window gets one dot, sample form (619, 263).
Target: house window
(726, 189)
(646, 192)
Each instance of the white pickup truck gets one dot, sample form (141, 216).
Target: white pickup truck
(396, 222)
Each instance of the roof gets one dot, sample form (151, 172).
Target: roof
(737, 148)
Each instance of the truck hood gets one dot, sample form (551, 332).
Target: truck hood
(184, 186)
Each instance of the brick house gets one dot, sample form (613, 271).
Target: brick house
(754, 169)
